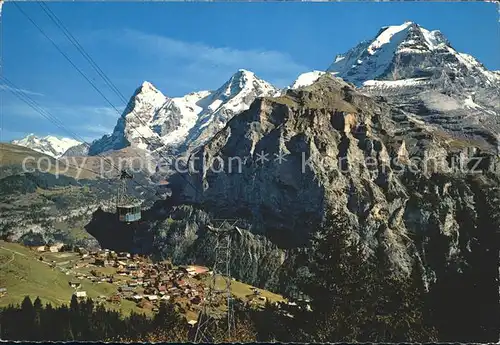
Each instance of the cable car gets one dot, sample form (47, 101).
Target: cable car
(129, 213)
(128, 209)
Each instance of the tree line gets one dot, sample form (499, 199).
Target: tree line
(353, 298)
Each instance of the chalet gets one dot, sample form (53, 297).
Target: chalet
(144, 304)
(180, 283)
(152, 298)
(125, 289)
(102, 262)
(41, 249)
(115, 299)
(75, 284)
(123, 256)
(196, 270)
(56, 247)
(80, 294)
(196, 300)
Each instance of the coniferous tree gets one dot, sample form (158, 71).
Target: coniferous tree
(338, 285)
(37, 327)
(357, 297)
(27, 323)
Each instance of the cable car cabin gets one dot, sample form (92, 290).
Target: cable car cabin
(129, 212)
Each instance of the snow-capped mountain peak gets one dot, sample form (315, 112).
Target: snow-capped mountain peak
(233, 97)
(182, 122)
(404, 51)
(385, 36)
(306, 79)
(49, 145)
(419, 71)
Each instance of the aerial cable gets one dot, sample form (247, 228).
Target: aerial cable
(94, 86)
(46, 114)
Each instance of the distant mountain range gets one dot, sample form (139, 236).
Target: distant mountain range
(415, 69)
(49, 145)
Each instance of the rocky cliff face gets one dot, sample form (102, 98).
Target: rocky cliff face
(404, 185)
(420, 72)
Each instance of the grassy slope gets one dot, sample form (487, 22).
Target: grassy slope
(24, 275)
(14, 155)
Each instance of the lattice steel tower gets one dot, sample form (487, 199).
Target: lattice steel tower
(210, 318)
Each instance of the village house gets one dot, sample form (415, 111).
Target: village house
(123, 256)
(126, 289)
(116, 299)
(196, 270)
(102, 262)
(196, 300)
(41, 248)
(80, 294)
(144, 304)
(180, 283)
(56, 247)
(132, 267)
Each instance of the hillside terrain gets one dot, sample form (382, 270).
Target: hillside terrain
(398, 137)
(43, 199)
(27, 272)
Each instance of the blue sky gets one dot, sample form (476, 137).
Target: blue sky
(184, 47)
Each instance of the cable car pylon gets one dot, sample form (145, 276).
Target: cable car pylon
(210, 318)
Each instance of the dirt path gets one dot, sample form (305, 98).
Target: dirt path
(13, 251)
(8, 262)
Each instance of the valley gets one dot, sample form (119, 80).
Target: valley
(390, 157)
(118, 280)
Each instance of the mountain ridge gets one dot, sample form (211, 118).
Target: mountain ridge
(178, 123)
(49, 145)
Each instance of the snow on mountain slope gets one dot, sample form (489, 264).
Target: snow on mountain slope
(419, 71)
(402, 52)
(48, 145)
(132, 127)
(306, 79)
(179, 123)
(219, 107)
(395, 83)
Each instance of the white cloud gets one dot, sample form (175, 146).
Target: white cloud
(82, 121)
(197, 62)
(4, 87)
